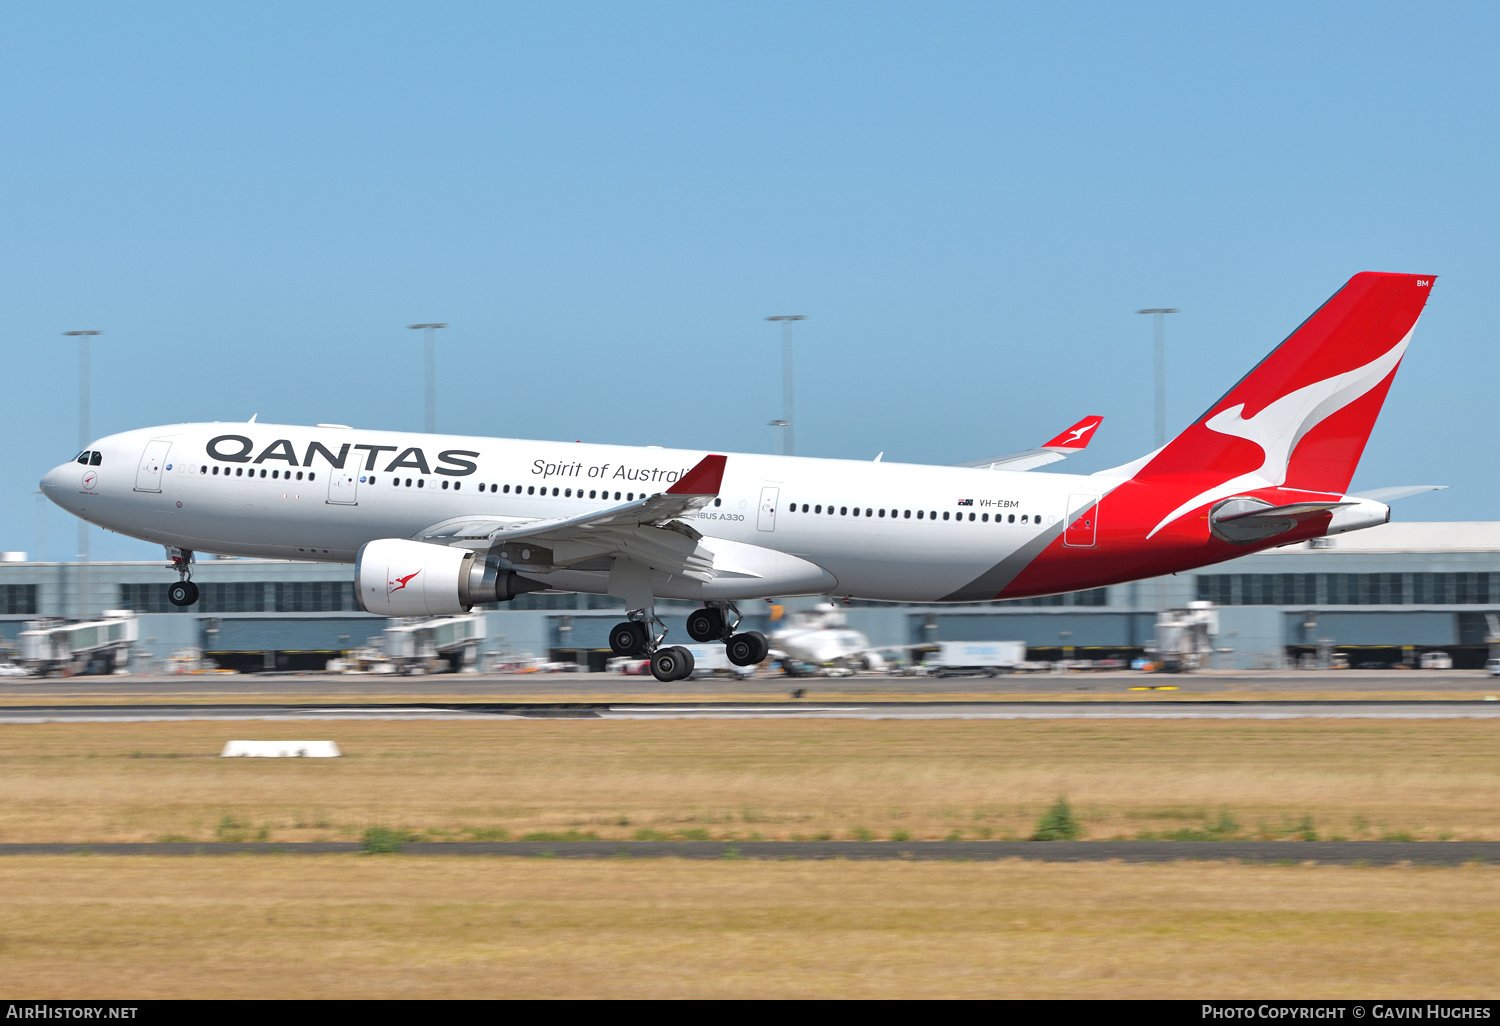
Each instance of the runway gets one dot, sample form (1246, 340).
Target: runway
(1422, 853)
(230, 687)
(953, 710)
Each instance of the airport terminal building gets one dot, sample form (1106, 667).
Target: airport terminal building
(1382, 595)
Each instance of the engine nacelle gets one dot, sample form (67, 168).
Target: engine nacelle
(398, 577)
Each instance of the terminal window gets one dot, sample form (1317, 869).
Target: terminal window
(18, 598)
(1378, 589)
(246, 597)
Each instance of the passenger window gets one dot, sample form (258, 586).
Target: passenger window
(311, 476)
(554, 491)
(408, 482)
(592, 493)
(299, 477)
(932, 515)
(843, 511)
(216, 471)
(204, 470)
(856, 511)
(1023, 518)
(882, 512)
(718, 502)
(870, 512)
(421, 481)
(274, 474)
(96, 458)
(985, 518)
(945, 514)
(568, 494)
(507, 489)
(372, 478)
(906, 515)
(531, 490)
(919, 514)
(445, 484)
(457, 485)
(971, 516)
(1013, 518)
(238, 471)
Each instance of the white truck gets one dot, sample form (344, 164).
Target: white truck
(713, 661)
(958, 658)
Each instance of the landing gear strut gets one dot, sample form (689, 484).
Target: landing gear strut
(184, 592)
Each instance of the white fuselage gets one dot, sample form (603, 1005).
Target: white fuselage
(881, 530)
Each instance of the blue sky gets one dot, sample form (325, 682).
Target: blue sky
(605, 199)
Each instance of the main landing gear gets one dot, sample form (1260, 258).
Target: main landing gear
(718, 621)
(637, 638)
(184, 592)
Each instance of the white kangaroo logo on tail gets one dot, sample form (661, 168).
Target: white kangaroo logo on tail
(1281, 425)
(1078, 433)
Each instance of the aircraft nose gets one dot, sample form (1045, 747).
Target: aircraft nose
(54, 482)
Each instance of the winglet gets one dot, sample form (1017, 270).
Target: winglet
(1077, 437)
(704, 479)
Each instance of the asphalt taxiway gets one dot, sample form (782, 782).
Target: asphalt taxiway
(1422, 853)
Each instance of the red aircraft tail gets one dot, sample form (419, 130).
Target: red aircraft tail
(1301, 417)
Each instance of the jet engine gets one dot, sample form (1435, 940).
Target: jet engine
(397, 577)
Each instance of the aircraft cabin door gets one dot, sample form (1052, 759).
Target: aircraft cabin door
(148, 474)
(766, 521)
(343, 487)
(1082, 522)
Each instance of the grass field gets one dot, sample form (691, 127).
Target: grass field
(401, 926)
(714, 779)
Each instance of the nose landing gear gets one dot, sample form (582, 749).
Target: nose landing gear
(184, 592)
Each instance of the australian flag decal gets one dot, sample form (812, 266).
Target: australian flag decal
(966, 502)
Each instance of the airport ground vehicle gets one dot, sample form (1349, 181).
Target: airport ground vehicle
(437, 524)
(1493, 665)
(1436, 661)
(991, 658)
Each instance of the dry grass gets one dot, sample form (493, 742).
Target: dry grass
(1429, 779)
(401, 926)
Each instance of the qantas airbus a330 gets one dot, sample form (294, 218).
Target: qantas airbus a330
(437, 524)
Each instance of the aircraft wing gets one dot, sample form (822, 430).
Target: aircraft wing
(1075, 439)
(646, 529)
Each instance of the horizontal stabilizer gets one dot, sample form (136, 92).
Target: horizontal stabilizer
(1399, 492)
(1245, 520)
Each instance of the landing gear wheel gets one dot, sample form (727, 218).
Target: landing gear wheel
(628, 639)
(669, 664)
(183, 593)
(747, 649)
(705, 625)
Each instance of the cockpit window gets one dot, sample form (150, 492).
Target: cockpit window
(83, 458)
(95, 458)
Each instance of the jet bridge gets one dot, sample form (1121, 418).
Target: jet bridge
(95, 646)
(419, 645)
